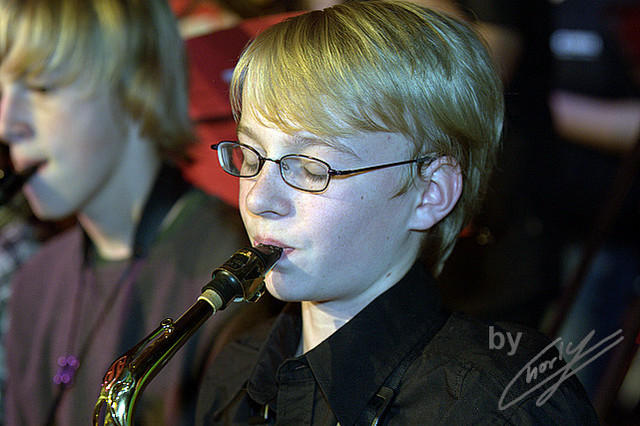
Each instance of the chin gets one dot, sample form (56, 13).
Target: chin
(50, 216)
(47, 204)
(282, 292)
(47, 212)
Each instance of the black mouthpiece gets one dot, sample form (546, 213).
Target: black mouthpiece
(241, 277)
(270, 254)
(11, 182)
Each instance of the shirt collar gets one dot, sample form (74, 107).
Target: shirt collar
(346, 369)
(279, 346)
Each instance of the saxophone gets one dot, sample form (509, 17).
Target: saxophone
(240, 278)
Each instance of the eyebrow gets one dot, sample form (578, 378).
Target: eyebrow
(305, 141)
(310, 141)
(245, 131)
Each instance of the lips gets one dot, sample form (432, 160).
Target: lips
(273, 242)
(27, 166)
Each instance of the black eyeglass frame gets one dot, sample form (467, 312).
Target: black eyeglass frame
(330, 171)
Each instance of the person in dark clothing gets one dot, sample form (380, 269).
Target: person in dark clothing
(367, 133)
(94, 93)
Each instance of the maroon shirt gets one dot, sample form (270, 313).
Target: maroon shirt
(56, 302)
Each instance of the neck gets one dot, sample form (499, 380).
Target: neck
(111, 217)
(318, 324)
(321, 319)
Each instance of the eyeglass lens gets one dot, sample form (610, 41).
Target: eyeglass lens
(300, 172)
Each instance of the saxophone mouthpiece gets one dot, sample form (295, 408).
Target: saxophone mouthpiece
(271, 254)
(241, 278)
(12, 182)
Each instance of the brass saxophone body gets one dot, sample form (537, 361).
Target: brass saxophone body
(240, 278)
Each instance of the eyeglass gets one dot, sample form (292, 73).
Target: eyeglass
(298, 171)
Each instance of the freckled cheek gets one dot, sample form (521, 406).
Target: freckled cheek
(344, 228)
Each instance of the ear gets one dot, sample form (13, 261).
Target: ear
(439, 188)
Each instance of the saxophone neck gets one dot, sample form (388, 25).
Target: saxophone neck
(128, 375)
(240, 278)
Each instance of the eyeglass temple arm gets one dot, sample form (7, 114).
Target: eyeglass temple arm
(333, 172)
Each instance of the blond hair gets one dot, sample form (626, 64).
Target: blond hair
(129, 46)
(382, 66)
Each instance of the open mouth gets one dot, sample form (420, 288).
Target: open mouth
(30, 169)
(24, 168)
(11, 182)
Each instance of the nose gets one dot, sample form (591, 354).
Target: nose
(14, 124)
(267, 194)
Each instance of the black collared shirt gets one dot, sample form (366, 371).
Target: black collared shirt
(456, 378)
